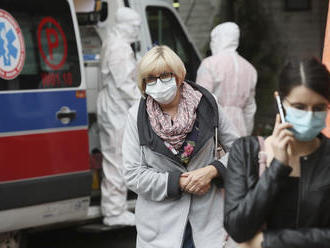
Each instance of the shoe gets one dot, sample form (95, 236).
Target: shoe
(125, 219)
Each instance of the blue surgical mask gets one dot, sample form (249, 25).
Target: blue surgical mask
(306, 124)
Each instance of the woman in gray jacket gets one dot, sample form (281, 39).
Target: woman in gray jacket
(169, 152)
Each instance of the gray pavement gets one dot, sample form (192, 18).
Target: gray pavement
(71, 238)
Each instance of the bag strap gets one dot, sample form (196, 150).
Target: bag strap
(219, 149)
(261, 143)
(225, 241)
(262, 156)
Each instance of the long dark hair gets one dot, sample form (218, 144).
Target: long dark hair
(310, 73)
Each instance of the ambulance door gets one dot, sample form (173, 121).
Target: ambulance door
(45, 176)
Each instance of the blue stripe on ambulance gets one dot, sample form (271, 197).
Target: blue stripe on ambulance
(37, 110)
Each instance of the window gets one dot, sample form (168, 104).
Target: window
(51, 55)
(295, 5)
(166, 30)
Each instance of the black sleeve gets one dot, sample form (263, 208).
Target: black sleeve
(219, 180)
(297, 238)
(246, 208)
(173, 189)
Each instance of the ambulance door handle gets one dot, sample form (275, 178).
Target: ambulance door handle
(66, 115)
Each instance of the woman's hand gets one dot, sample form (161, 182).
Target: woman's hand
(255, 242)
(281, 140)
(198, 181)
(183, 182)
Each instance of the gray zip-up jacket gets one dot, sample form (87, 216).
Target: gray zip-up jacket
(152, 171)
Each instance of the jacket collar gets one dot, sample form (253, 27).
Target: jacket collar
(323, 148)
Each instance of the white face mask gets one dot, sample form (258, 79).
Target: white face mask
(163, 93)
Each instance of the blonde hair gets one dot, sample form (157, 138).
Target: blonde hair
(157, 60)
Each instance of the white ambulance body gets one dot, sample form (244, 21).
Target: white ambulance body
(45, 176)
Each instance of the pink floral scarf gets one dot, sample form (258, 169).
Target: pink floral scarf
(175, 134)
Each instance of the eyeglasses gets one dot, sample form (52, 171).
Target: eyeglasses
(316, 108)
(164, 77)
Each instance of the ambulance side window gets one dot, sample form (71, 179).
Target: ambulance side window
(166, 30)
(49, 46)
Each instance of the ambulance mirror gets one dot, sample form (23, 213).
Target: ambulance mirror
(104, 11)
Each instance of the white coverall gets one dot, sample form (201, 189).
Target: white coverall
(230, 77)
(118, 69)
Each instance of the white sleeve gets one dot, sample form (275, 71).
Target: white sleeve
(141, 178)
(250, 109)
(204, 77)
(122, 66)
(227, 134)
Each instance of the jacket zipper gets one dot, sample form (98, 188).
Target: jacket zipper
(185, 169)
(299, 194)
(185, 224)
(175, 162)
(186, 221)
(184, 229)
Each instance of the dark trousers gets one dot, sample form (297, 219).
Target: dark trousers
(188, 241)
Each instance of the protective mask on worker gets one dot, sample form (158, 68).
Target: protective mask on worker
(306, 124)
(163, 93)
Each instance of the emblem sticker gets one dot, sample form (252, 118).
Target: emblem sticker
(12, 48)
(56, 51)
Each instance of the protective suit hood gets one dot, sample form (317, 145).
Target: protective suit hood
(116, 46)
(127, 24)
(224, 37)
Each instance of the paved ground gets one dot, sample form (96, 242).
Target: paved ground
(70, 238)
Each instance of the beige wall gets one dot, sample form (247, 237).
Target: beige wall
(300, 33)
(201, 18)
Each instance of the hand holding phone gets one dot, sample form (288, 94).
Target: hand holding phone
(282, 137)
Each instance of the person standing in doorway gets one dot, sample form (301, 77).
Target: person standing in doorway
(230, 77)
(118, 66)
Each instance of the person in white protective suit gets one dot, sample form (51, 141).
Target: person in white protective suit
(118, 67)
(230, 77)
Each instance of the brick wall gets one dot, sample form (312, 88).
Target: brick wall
(300, 33)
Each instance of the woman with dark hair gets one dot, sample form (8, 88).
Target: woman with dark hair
(288, 204)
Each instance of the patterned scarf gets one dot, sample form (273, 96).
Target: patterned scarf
(175, 134)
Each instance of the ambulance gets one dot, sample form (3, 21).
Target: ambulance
(49, 80)
(45, 175)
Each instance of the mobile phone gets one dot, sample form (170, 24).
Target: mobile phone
(279, 106)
